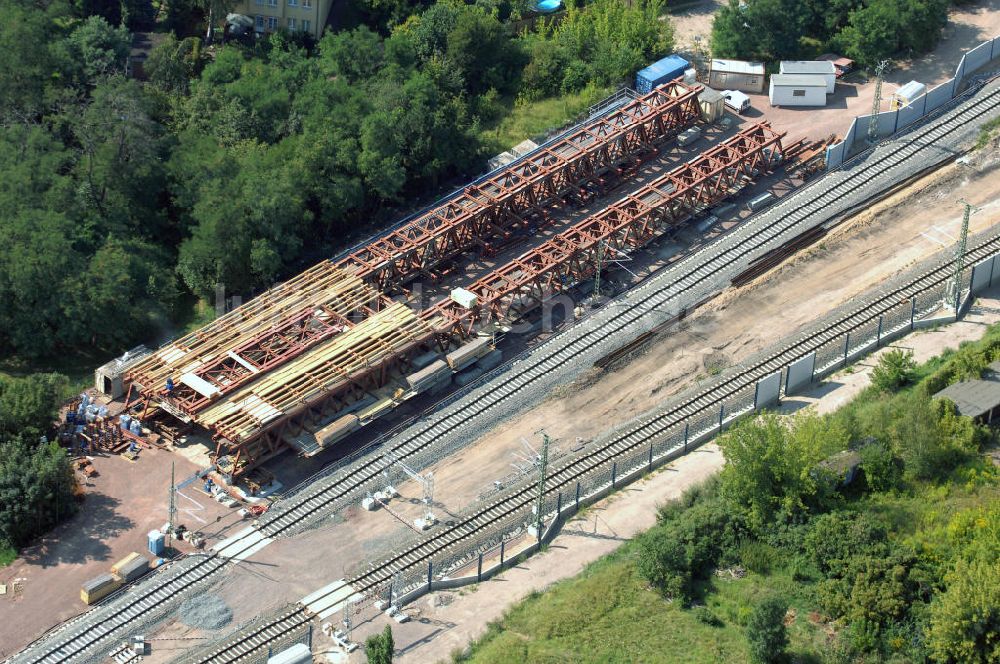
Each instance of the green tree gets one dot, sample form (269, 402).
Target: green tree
(881, 468)
(94, 50)
(772, 469)
(379, 647)
(895, 369)
(765, 631)
(172, 64)
(965, 619)
(36, 489)
(355, 54)
(29, 404)
(30, 67)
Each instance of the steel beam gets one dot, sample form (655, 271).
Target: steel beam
(572, 256)
(489, 209)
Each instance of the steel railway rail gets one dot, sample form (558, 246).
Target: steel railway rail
(640, 435)
(741, 242)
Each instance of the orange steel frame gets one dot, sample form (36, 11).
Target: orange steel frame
(517, 196)
(572, 256)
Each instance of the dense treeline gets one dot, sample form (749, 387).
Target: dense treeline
(864, 30)
(780, 507)
(240, 164)
(36, 479)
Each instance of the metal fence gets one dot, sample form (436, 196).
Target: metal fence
(892, 122)
(489, 551)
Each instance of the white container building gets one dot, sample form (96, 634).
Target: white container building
(797, 90)
(823, 68)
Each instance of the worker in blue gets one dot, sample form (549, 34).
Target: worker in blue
(170, 384)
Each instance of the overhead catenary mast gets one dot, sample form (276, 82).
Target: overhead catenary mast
(876, 102)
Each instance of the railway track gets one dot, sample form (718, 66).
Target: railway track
(738, 245)
(639, 436)
(74, 640)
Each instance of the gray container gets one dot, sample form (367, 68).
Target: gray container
(131, 569)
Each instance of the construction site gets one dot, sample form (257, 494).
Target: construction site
(384, 395)
(307, 364)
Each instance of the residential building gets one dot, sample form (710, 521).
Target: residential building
(292, 15)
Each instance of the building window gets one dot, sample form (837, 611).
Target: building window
(260, 23)
(798, 93)
(291, 24)
(273, 3)
(272, 22)
(306, 24)
(307, 4)
(293, 3)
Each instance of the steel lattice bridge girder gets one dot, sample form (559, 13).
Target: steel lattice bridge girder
(631, 222)
(487, 211)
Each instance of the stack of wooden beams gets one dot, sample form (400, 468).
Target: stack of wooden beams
(323, 285)
(332, 364)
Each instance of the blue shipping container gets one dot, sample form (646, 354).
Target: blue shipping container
(660, 72)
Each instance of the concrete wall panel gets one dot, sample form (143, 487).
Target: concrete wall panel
(768, 391)
(910, 114)
(981, 275)
(978, 57)
(835, 155)
(886, 123)
(939, 96)
(799, 374)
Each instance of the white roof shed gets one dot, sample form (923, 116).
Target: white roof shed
(797, 90)
(823, 68)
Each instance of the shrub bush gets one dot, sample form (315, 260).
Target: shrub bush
(766, 632)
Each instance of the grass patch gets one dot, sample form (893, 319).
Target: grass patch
(7, 554)
(985, 132)
(532, 119)
(608, 614)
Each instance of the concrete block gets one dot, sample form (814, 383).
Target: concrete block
(491, 360)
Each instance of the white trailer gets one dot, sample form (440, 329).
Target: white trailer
(822, 68)
(797, 90)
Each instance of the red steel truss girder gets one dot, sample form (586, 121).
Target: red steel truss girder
(487, 209)
(281, 343)
(627, 224)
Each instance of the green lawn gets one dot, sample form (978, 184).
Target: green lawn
(535, 118)
(607, 614)
(7, 554)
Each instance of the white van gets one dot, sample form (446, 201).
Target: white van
(736, 100)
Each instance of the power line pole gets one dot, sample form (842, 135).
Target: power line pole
(876, 102)
(960, 248)
(543, 467)
(597, 275)
(172, 505)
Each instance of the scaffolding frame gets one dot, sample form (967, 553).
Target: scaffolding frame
(516, 198)
(574, 255)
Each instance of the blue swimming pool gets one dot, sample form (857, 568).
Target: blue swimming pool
(548, 5)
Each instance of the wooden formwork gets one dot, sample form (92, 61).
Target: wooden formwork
(253, 421)
(266, 332)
